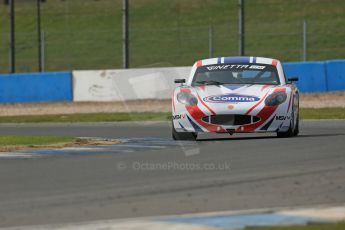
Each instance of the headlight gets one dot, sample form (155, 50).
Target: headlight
(187, 98)
(276, 99)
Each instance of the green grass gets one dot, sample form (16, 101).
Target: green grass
(34, 140)
(336, 226)
(323, 113)
(92, 117)
(87, 34)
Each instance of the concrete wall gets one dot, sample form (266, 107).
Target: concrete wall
(132, 84)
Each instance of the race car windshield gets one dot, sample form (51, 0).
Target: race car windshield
(236, 74)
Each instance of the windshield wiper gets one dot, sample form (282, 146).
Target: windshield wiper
(211, 82)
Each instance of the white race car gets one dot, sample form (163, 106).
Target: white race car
(235, 95)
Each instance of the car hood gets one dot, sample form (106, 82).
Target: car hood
(239, 98)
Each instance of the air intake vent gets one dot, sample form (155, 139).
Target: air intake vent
(231, 119)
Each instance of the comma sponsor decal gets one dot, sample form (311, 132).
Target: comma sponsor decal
(226, 98)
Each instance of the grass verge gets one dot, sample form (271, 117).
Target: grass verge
(323, 113)
(12, 143)
(34, 140)
(89, 117)
(306, 113)
(333, 226)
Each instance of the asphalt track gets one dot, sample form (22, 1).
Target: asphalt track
(216, 173)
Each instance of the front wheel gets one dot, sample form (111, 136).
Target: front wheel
(183, 136)
(288, 133)
(293, 129)
(296, 131)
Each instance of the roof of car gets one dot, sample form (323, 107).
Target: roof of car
(237, 60)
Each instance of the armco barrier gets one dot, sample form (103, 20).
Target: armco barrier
(36, 87)
(311, 75)
(322, 76)
(335, 72)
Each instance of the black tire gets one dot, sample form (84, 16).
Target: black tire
(288, 133)
(296, 131)
(183, 136)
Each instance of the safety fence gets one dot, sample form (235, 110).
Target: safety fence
(86, 35)
(146, 83)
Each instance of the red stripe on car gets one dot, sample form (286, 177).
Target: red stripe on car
(256, 105)
(276, 90)
(199, 63)
(264, 87)
(202, 87)
(185, 90)
(202, 102)
(264, 114)
(197, 115)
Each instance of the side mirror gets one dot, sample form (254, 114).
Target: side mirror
(291, 79)
(180, 81)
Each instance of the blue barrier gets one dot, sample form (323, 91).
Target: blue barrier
(335, 72)
(311, 75)
(322, 76)
(36, 87)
